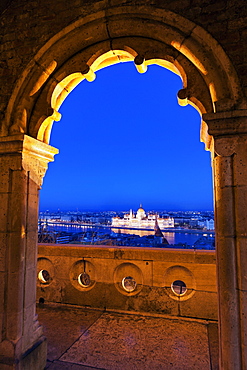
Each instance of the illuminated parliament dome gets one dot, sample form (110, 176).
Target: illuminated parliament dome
(140, 214)
(142, 220)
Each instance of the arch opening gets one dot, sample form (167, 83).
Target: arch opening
(212, 85)
(209, 79)
(57, 93)
(120, 139)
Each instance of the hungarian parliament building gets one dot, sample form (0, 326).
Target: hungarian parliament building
(142, 220)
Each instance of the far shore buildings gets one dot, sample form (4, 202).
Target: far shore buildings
(208, 224)
(142, 220)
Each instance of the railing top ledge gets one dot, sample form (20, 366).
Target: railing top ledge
(128, 253)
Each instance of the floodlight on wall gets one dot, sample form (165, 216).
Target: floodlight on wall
(129, 284)
(140, 64)
(44, 277)
(84, 280)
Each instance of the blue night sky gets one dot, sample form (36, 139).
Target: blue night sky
(124, 140)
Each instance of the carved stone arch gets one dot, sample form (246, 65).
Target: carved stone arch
(159, 36)
(144, 34)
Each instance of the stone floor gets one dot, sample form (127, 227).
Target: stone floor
(91, 339)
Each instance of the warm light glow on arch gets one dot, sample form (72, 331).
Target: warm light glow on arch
(210, 82)
(112, 57)
(68, 83)
(64, 87)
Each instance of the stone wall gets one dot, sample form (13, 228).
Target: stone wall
(154, 270)
(48, 47)
(27, 25)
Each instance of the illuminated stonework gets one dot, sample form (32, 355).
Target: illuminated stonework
(204, 42)
(142, 220)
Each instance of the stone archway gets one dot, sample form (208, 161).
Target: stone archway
(144, 35)
(159, 36)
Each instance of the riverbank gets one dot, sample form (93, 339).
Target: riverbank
(171, 229)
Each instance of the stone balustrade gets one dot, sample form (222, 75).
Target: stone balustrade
(151, 280)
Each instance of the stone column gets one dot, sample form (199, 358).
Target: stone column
(229, 130)
(23, 163)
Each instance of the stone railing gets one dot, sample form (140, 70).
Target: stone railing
(151, 280)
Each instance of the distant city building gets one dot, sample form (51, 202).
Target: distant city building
(210, 224)
(142, 220)
(207, 224)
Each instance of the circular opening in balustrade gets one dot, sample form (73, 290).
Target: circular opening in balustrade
(84, 280)
(129, 284)
(179, 287)
(44, 277)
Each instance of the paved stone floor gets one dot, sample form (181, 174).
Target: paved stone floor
(91, 339)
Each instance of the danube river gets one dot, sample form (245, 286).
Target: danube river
(173, 237)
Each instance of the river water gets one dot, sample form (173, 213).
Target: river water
(176, 237)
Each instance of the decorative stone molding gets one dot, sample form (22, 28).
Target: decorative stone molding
(228, 130)
(34, 155)
(232, 122)
(167, 39)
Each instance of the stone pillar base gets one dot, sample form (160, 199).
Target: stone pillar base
(33, 359)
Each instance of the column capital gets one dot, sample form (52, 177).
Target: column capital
(34, 155)
(226, 123)
(228, 129)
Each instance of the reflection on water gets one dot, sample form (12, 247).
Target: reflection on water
(172, 237)
(133, 232)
